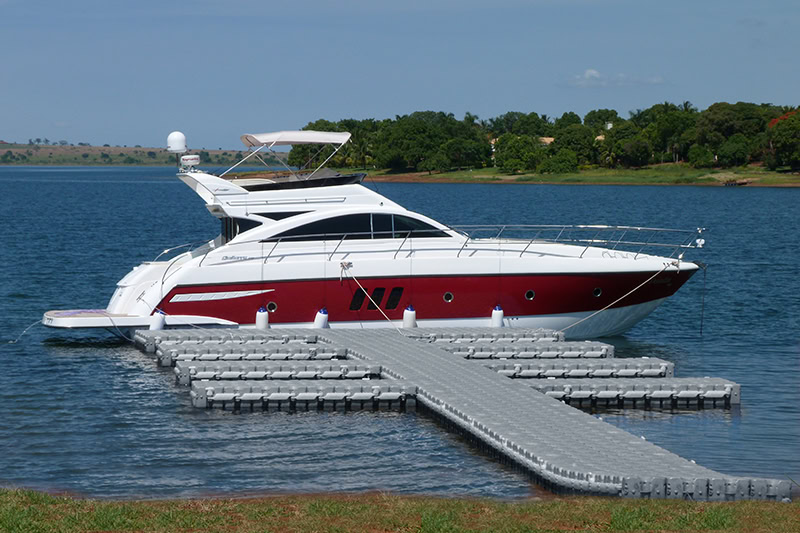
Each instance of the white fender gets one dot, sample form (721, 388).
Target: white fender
(497, 317)
(262, 318)
(409, 317)
(321, 319)
(157, 320)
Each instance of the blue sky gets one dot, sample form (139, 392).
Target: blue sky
(130, 72)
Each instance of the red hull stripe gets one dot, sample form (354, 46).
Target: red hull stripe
(473, 296)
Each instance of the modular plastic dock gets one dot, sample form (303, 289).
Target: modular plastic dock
(493, 399)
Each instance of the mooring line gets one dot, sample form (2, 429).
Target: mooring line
(645, 282)
(345, 266)
(15, 341)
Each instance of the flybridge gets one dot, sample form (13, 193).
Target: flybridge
(260, 141)
(271, 180)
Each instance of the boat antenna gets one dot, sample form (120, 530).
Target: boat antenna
(176, 144)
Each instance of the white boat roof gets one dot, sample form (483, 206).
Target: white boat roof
(287, 138)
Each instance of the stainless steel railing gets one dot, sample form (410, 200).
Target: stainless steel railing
(640, 239)
(632, 239)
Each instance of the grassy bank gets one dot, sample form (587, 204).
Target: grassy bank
(666, 174)
(46, 155)
(22, 510)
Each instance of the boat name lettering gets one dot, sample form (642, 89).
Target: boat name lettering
(235, 257)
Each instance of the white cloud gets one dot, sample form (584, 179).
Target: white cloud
(594, 78)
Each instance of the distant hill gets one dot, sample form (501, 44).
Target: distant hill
(38, 154)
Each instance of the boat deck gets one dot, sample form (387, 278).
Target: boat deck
(488, 398)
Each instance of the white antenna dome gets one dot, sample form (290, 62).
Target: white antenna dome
(176, 142)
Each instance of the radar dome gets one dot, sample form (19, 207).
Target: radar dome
(176, 142)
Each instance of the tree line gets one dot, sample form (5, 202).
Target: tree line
(723, 135)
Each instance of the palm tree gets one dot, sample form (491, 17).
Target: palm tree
(637, 117)
(469, 119)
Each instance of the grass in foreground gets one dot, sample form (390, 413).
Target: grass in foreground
(29, 511)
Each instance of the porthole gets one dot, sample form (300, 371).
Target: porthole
(272, 307)
(597, 292)
(530, 295)
(448, 297)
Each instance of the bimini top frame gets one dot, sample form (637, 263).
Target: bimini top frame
(260, 141)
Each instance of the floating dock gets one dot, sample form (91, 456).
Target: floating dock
(507, 388)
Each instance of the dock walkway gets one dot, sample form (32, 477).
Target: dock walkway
(567, 448)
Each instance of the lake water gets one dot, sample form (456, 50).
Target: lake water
(91, 415)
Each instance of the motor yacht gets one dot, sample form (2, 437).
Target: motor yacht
(319, 249)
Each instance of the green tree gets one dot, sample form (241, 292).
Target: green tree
(700, 156)
(668, 128)
(635, 152)
(513, 153)
(437, 161)
(785, 140)
(598, 118)
(504, 123)
(644, 117)
(577, 138)
(359, 151)
(565, 161)
(734, 151)
(466, 153)
(567, 119)
(533, 125)
(611, 146)
(722, 120)
(410, 139)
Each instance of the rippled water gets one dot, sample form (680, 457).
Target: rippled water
(92, 415)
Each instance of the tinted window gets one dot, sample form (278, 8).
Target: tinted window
(394, 298)
(381, 226)
(404, 225)
(281, 215)
(358, 299)
(377, 296)
(349, 226)
(246, 224)
(361, 226)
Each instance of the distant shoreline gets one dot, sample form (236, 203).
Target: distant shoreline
(550, 180)
(661, 174)
(68, 155)
(665, 174)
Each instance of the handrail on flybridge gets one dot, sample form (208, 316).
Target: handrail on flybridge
(290, 138)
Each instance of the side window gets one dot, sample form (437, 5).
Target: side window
(382, 227)
(377, 296)
(358, 299)
(231, 227)
(245, 224)
(280, 215)
(394, 298)
(361, 226)
(404, 225)
(350, 226)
